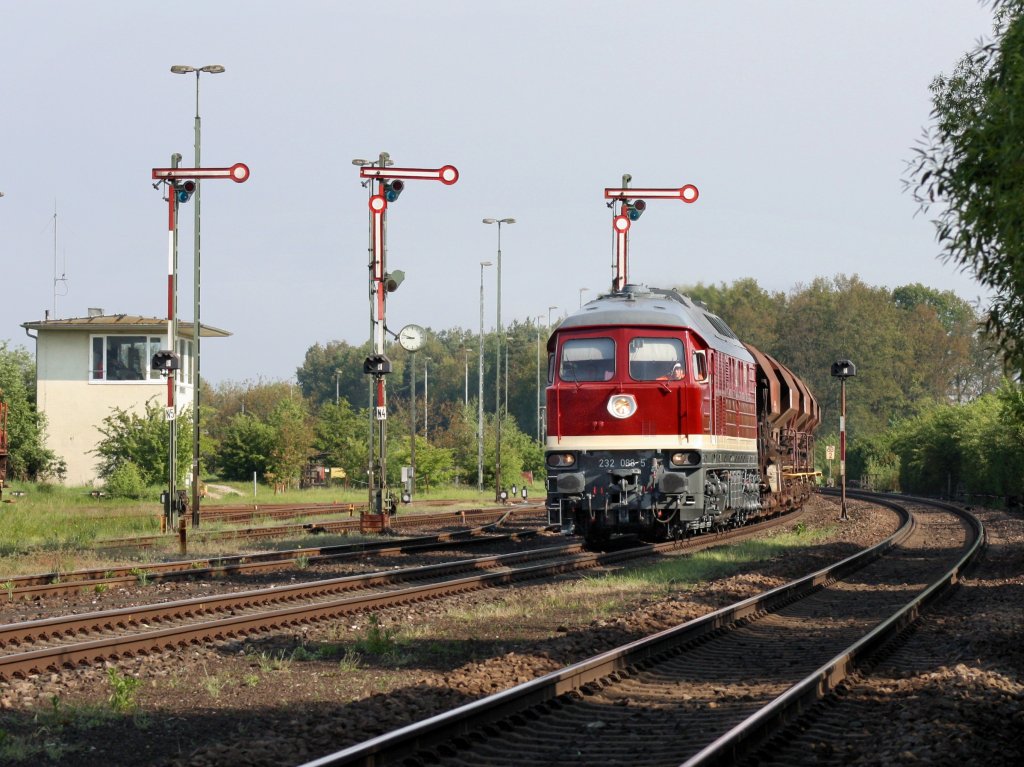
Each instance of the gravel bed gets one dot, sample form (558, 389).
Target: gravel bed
(951, 690)
(284, 698)
(89, 599)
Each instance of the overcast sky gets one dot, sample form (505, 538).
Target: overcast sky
(794, 119)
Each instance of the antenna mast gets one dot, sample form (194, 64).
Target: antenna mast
(63, 276)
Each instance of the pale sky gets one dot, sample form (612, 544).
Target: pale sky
(794, 119)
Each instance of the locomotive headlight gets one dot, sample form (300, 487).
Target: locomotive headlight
(687, 458)
(622, 405)
(561, 460)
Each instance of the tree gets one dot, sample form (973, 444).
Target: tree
(334, 368)
(26, 428)
(245, 448)
(142, 439)
(970, 164)
(293, 440)
(341, 433)
(751, 311)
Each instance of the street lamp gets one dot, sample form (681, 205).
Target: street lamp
(549, 315)
(180, 69)
(843, 369)
(539, 438)
(582, 291)
(426, 396)
(465, 356)
(497, 373)
(480, 393)
(508, 343)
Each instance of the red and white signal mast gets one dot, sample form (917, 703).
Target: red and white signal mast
(181, 184)
(631, 205)
(390, 182)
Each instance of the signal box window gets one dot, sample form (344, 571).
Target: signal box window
(656, 359)
(588, 359)
(123, 358)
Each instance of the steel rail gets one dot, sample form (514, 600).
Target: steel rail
(69, 655)
(422, 736)
(38, 586)
(746, 735)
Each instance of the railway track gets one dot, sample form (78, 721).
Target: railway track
(396, 523)
(708, 691)
(43, 585)
(69, 641)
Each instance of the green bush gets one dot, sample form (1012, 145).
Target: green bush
(125, 481)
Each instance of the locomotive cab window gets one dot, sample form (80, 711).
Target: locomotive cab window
(656, 359)
(700, 366)
(587, 359)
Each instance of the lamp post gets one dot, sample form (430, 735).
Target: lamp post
(508, 343)
(180, 69)
(480, 393)
(843, 369)
(465, 355)
(426, 396)
(337, 386)
(497, 372)
(539, 438)
(582, 291)
(549, 315)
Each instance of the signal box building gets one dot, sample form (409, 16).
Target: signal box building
(87, 366)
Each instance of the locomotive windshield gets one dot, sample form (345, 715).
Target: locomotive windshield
(587, 359)
(654, 359)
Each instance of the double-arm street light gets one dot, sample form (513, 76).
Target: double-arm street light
(480, 393)
(181, 69)
(497, 376)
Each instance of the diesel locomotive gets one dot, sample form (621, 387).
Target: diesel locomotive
(661, 422)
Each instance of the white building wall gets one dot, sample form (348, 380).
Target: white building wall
(75, 406)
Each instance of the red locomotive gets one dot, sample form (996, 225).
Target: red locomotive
(661, 422)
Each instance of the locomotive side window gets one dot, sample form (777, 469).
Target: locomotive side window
(587, 359)
(700, 366)
(656, 359)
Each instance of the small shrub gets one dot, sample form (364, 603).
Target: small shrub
(378, 640)
(122, 690)
(125, 481)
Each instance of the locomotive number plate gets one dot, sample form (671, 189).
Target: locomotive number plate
(622, 463)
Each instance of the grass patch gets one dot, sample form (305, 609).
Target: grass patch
(603, 595)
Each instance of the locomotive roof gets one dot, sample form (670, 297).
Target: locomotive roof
(655, 307)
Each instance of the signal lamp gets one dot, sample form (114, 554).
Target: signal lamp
(393, 188)
(166, 361)
(184, 190)
(635, 209)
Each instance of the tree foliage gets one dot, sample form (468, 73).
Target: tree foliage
(142, 439)
(28, 456)
(913, 346)
(245, 448)
(970, 166)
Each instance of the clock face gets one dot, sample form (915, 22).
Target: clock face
(411, 337)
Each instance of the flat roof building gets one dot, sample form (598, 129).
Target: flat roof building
(87, 366)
